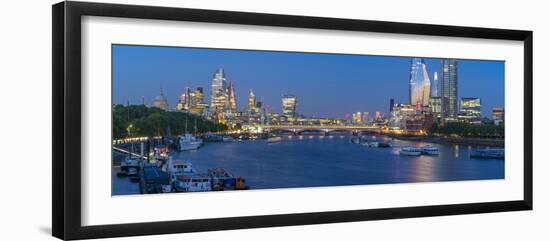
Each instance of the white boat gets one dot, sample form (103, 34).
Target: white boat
(189, 142)
(410, 151)
(177, 168)
(193, 183)
(274, 139)
(129, 167)
(227, 139)
(430, 150)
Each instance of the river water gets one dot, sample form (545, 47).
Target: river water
(315, 161)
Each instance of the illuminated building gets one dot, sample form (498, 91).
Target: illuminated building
(377, 116)
(197, 105)
(392, 103)
(252, 102)
(470, 110)
(435, 106)
(356, 118)
(435, 86)
(449, 88)
(289, 107)
(192, 101)
(232, 97)
(498, 115)
(218, 97)
(184, 100)
(419, 83)
(160, 101)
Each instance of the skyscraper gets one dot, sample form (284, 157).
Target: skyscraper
(392, 103)
(449, 88)
(232, 97)
(251, 101)
(218, 96)
(435, 86)
(289, 107)
(419, 83)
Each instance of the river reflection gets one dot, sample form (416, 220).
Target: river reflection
(316, 160)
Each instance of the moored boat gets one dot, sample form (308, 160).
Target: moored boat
(189, 142)
(129, 167)
(192, 183)
(410, 151)
(430, 150)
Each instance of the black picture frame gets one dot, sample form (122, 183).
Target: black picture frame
(66, 158)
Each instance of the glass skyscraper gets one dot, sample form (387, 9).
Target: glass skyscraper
(218, 96)
(289, 107)
(449, 88)
(419, 83)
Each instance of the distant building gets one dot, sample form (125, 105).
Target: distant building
(377, 116)
(356, 118)
(435, 86)
(435, 106)
(160, 101)
(449, 88)
(498, 115)
(365, 117)
(392, 103)
(232, 98)
(470, 110)
(289, 107)
(192, 101)
(218, 96)
(184, 100)
(252, 102)
(419, 83)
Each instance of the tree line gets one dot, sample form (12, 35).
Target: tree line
(140, 120)
(468, 130)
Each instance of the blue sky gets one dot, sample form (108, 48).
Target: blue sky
(326, 85)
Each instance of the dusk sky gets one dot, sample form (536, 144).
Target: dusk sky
(326, 85)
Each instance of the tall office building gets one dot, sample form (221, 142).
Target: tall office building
(185, 100)
(289, 107)
(197, 105)
(435, 86)
(356, 118)
(218, 96)
(392, 104)
(251, 101)
(470, 106)
(470, 110)
(419, 83)
(160, 101)
(232, 97)
(449, 88)
(435, 106)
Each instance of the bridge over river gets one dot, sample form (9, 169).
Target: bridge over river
(326, 129)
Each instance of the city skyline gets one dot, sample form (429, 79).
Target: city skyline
(352, 80)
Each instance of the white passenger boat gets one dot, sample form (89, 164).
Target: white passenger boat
(430, 150)
(410, 151)
(192, 183)
(189, 142)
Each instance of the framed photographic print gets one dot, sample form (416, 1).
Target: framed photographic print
(169, 120)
